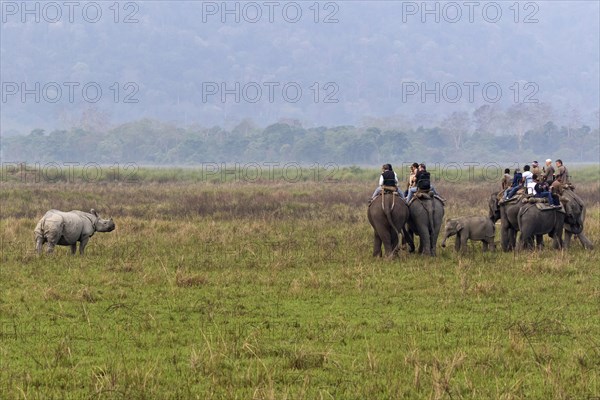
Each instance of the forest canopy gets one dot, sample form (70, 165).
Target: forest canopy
(487, 135)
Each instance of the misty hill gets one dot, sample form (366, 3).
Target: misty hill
(359, 61)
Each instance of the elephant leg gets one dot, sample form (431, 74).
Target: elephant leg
(376, 245)
(539, 239)
(464, 238)
(420, 250)
(505, 238)
(523, 241)
(431, 246)
(395, 243)
(567, 239)
(512, 234)
(457, 243)
(408, 237)
(425, 243)
(557, 243)
(386, 238)
(423, 235)
(434, 239)
(559, 239)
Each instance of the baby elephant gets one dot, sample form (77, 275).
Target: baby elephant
(474, 228)
(68, 228)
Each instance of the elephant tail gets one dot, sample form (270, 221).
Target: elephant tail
(388, 214)
(431, 215)
(408, 239)
(520, 217)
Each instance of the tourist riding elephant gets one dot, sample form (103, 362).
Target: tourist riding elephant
(473, 228)
(388, 215)
(426, 216)
(578, 210)
(533, 221)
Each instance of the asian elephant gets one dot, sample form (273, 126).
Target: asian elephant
(388, 214)
(533, 221)
(506, 212)
(426, 216)
(68, 228)
(576, 228)
(474, 228)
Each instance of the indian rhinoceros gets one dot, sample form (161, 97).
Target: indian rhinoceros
(68, 228)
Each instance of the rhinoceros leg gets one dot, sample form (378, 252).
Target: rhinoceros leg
(50, 248)
(74, 248)
(52, 238)
(83, 243)
(39, 242)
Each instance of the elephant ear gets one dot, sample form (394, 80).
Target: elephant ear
(458, 227)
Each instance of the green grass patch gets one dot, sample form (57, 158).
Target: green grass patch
(269, 291)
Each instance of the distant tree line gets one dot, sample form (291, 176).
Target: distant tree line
(486, 135)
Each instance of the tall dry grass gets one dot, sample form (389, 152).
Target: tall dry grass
(225, 201)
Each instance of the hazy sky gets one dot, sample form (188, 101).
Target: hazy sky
(323, 63)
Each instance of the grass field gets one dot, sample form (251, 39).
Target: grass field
(268, 290)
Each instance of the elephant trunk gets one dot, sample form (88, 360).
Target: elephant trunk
(574, 221)
(494, 212)
(446, 236)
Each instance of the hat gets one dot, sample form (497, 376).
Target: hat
(548, 160)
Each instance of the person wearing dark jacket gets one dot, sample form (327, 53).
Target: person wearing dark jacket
(542, 189)
(387, 178)
(516, 184)
(423, 179)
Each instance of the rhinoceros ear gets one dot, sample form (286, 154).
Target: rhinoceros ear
(93, 212)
